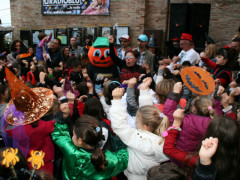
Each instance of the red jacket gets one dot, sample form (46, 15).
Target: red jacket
(39, 138)
(171, 150)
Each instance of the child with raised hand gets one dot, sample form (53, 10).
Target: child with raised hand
(106, 96)
(194, 123)
(82, 157)
(145, 145)
(42, 47)
(219, 153)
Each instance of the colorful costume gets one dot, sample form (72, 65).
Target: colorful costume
(77, 161)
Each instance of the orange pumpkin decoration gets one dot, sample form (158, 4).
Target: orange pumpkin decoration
(198, 80)
(99, 53)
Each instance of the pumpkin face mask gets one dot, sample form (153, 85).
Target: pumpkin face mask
(100, 57)
(99, 53)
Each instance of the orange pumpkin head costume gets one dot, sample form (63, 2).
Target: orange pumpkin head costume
(99, 53)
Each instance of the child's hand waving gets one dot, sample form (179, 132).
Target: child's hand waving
(132, 82)
(117, 93)
(208, 149)
(111, 39)
(145, 84)
(70, 97)
(178, 116)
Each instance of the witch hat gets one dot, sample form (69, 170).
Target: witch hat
(208, 39)
(151, 42)
(27, 105)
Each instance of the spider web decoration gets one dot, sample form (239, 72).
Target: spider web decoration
(198, 80)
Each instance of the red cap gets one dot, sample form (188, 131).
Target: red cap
(125, 36)
(186, 36)
(175, 39)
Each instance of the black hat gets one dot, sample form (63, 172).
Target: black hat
(208, 39)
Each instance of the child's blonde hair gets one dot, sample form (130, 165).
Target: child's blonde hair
(204, 106)
(150, 116)
(163, 88)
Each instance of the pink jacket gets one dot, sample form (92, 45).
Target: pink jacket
(193, 126)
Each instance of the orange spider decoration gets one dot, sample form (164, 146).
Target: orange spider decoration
(36, 159)
(10, 157)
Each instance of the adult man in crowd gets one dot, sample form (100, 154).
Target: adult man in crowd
(235, 44)
(125, 41)
(146, 57)
(75, 50)
(55, 54)
(187, 53)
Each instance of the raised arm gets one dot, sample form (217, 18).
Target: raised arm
(120, 63)
(170, 148)
(172, 101)
(145, 97)
(49, 38)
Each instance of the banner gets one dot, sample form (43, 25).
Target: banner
(75, 7)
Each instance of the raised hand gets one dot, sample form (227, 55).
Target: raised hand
(42, 76)
(117, 93)
(58, 91)
(178, 116)
(132, 82)
(208, 149)
(177, 88)
(80, 99)
(145, 84)
(70, 97)
(220, 90)
(111, 39)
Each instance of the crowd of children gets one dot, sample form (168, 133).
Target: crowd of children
(177, 123)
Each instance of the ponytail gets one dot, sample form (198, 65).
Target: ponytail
(203, 105)
(163, 126)
(211, 112)
(98, 159)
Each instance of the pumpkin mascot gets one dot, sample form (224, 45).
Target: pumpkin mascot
(102, 66)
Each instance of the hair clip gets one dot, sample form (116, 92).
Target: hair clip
(161, 115)
(10, 158)
(210, 108)
(165, 134)
(115, 82)
(98, 129)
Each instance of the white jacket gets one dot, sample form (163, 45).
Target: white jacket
(143, 146)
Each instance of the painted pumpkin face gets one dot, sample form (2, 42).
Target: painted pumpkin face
(100, 56)
(198, 80)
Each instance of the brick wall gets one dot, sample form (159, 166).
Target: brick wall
(224, 17)
(26, 14)
(138, 14)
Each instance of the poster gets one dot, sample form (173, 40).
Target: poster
(35, 37)
(63, 39)
(75, 7)
(62, 35)
(106, 31)
(48, 32)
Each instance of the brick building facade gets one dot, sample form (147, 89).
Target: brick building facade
(139, 15)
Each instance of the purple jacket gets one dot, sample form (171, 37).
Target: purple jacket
(193, 126)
